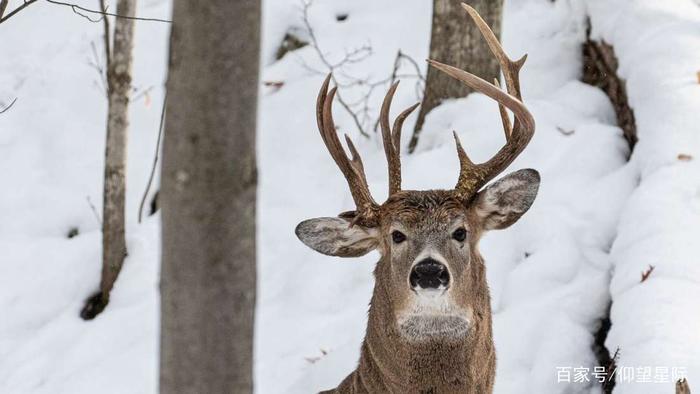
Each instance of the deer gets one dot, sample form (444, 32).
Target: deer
(429, 326)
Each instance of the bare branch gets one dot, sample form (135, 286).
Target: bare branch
(140, 92)
(96, 63)
(565, 132)
(26, 4)
(646, 273)
(395, 76)
(155, 158)
(331, 67)
(94, 210)
(2, 111)
(77, 8)
(359, 110)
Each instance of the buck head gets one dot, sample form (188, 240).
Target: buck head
(430, 270)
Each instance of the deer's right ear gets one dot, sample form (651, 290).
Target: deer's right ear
(335, 237)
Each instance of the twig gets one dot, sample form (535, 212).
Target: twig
(358, 110)
(108, 50)
(565, 132)
(75, 11)
(645, 274)
(394, 76)
(414, 64)
(138, 93)
(96, 63)
(76, 7)
(24, 5)
(331, 67)
(155, 158)
(2, 111)
(94, 210)
(392, 79)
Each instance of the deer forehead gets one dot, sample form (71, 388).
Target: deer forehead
(430, 209)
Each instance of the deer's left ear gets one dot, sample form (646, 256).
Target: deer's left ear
(506, 200)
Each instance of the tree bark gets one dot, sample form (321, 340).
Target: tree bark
(455, 40)
(600, 69)
(113, 219)
(208, 274)
(3, 6)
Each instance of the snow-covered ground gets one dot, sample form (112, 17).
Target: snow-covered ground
(597, 223)
(656, 324)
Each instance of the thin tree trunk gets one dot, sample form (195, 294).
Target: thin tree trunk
(119, 86)
(208, 274)
(3, 6)
(455, 40)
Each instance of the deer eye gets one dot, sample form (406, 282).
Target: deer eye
(460, 234)
(398, 236)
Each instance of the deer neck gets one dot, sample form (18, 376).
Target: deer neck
(390, 363)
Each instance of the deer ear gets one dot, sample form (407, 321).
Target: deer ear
(506, 200)
(335, 237)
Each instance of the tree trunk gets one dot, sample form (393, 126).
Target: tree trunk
(455, 40)
(119, 86)
(208, 274)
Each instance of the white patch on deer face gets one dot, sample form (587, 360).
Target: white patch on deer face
(452, 323)
(430, 253)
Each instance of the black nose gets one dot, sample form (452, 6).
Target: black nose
(429, 274)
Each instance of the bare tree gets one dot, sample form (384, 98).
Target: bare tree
(452, 41)
(208, 194)
(118, 86)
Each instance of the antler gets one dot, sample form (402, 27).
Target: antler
(392, 138)
(353, 170)
(473, 177)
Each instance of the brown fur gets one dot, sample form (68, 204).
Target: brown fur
(429, 327)
(426, 339)
(389, 362)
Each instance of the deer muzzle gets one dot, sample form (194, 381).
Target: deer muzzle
(429, 274)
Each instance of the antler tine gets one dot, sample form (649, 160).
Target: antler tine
(391, 138)
(505, 120)
(392, 156)
(467, 169)
(474, 176)
(353, 170)
(510, 68)
(356, 159)
(398, 124)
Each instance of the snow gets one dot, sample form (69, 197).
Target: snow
(654, 323)
(51, 161)
(598, 221)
